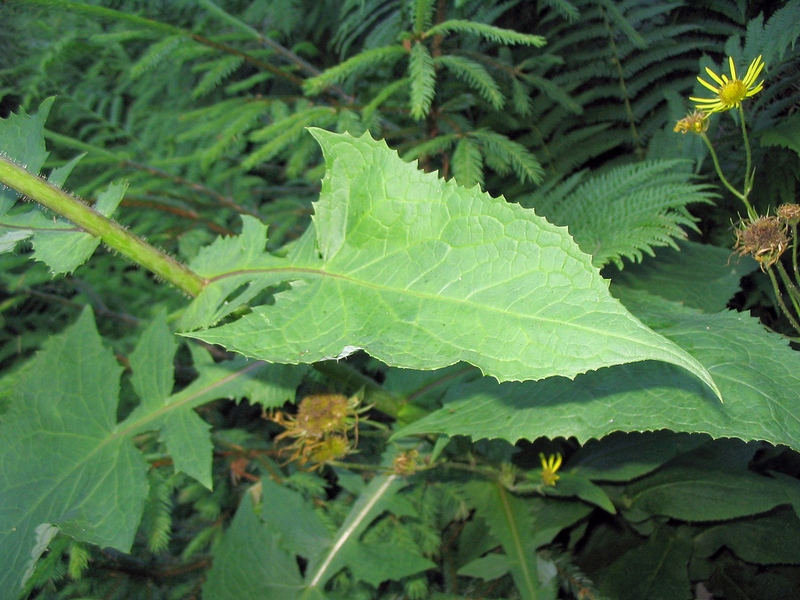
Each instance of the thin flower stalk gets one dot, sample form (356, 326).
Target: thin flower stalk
(751, 214)
(781, 303)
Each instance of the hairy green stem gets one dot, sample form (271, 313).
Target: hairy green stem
(781, 303)
(794, 253)
(113, 235)
(794, 293)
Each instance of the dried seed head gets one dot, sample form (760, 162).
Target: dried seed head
(405, 463)
(789, 213)
(332, 447)
(764, 239)
(322, 413)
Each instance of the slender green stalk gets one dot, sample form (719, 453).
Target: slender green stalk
(91, 221)
(794, 253)
(750, 212)
(781, 303)
(794, 293)
(748, 176)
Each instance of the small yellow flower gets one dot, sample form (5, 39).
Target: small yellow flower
(730, 92)
(697, 122)
(549, 468)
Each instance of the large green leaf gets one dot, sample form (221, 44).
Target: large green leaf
(656, 570)
(699, 275)
(61, 245)
(62, 462)
(710, 483)
(422, 273)
(510, 520)
(771, 539)
(287, 519)
(66, 463)
(370, 562)
(758, 373)
(625, 456)
(57, 242)
(249, 563)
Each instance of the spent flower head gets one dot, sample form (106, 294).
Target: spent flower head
(789, 214)
(322, 428)
(765, 239)
(696, 122)
(729, 92)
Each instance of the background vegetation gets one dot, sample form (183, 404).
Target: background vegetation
(566, 107)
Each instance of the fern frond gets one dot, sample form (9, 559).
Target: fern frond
(423, 15)
(524, 163)
(215, 72)
(565, 8)
(422, 75)
(615, 16)
(626, 212)
(286, 132)
(364, 61)
(475, 75)
(304, 151)
(520, 97)
(487, 32)
(382, 96)
(157, 517)
(735, 12)
(467, 163)
(441, 143)
(247, 84)
(78, 559)
(155, 54)
(572, 579)
(554, 92)
(360, 16)
(780, 32)
(233, 130)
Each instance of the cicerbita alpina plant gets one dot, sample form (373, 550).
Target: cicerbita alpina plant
(765, 238)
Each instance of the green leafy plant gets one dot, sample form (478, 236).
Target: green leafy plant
(392, 383)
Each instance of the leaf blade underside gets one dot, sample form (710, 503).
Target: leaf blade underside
(422, 273)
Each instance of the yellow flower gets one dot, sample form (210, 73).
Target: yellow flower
(697, 122)
(730, 92)
(549, 468)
